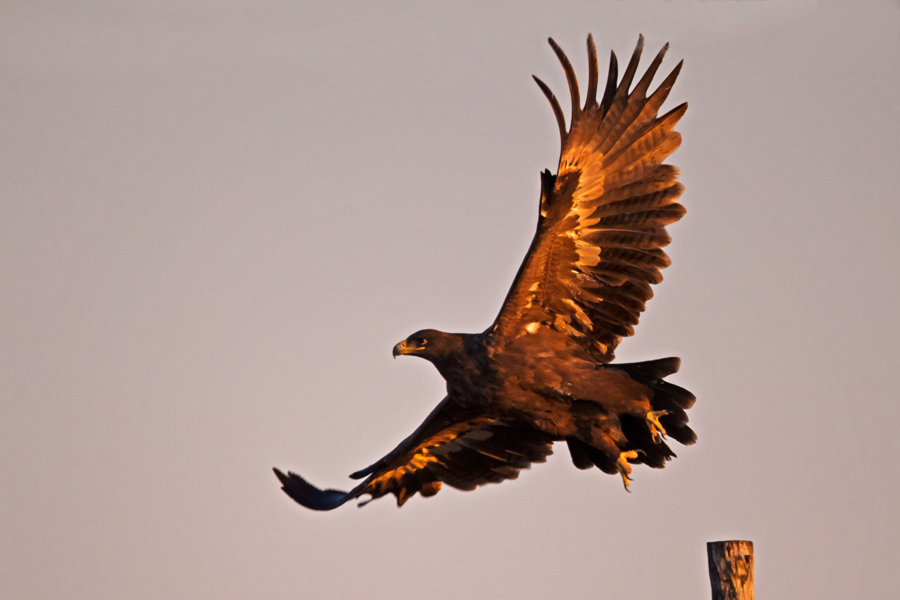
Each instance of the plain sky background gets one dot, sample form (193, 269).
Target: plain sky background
(216, 219)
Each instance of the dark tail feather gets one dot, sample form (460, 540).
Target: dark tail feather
(650, 370)
(581, 453)
(674, 400)
(666, 396)
(669, 397)
(585, 456)
(653, 454)
(674, 395)
(312, 497)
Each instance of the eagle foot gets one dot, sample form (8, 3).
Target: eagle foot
(656, 429)
(624, 468)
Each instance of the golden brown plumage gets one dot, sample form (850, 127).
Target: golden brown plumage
(540, 373)
(602, 222)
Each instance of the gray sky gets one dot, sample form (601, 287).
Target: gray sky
(216, 220)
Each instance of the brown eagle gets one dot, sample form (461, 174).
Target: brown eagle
(543, 372)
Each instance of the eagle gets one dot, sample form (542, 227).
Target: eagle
(543, 372)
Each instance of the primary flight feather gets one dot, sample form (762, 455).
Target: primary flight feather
(543, 371)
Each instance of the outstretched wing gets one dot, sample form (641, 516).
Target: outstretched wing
(601, 229)
(452, 446)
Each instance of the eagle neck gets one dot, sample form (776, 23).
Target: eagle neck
(459, 368)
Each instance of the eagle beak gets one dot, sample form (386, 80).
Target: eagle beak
(400, 348)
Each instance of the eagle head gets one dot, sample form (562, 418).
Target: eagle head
(435, 346)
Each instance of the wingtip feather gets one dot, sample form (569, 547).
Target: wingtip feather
(554, 104)
(570, 78)
(593, 73)
(308, 495)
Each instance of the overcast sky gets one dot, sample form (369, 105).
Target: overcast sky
(216, 220)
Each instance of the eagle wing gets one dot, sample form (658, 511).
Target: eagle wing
(461, 448)
(601, 231)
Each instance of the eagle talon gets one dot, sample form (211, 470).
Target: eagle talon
(656, 429)
(624, 468)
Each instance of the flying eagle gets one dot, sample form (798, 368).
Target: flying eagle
(543, 372)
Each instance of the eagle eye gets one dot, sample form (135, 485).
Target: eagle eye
(420, 341)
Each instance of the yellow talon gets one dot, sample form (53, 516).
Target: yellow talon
(624, 468)
(656, 429)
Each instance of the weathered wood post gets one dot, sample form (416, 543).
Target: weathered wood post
(731, 569)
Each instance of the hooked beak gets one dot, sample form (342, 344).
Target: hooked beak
(401, 348)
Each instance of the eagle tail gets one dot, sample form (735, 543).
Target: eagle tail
(668, 397)
(585, 456)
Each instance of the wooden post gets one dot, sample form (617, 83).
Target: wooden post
(731, 569)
